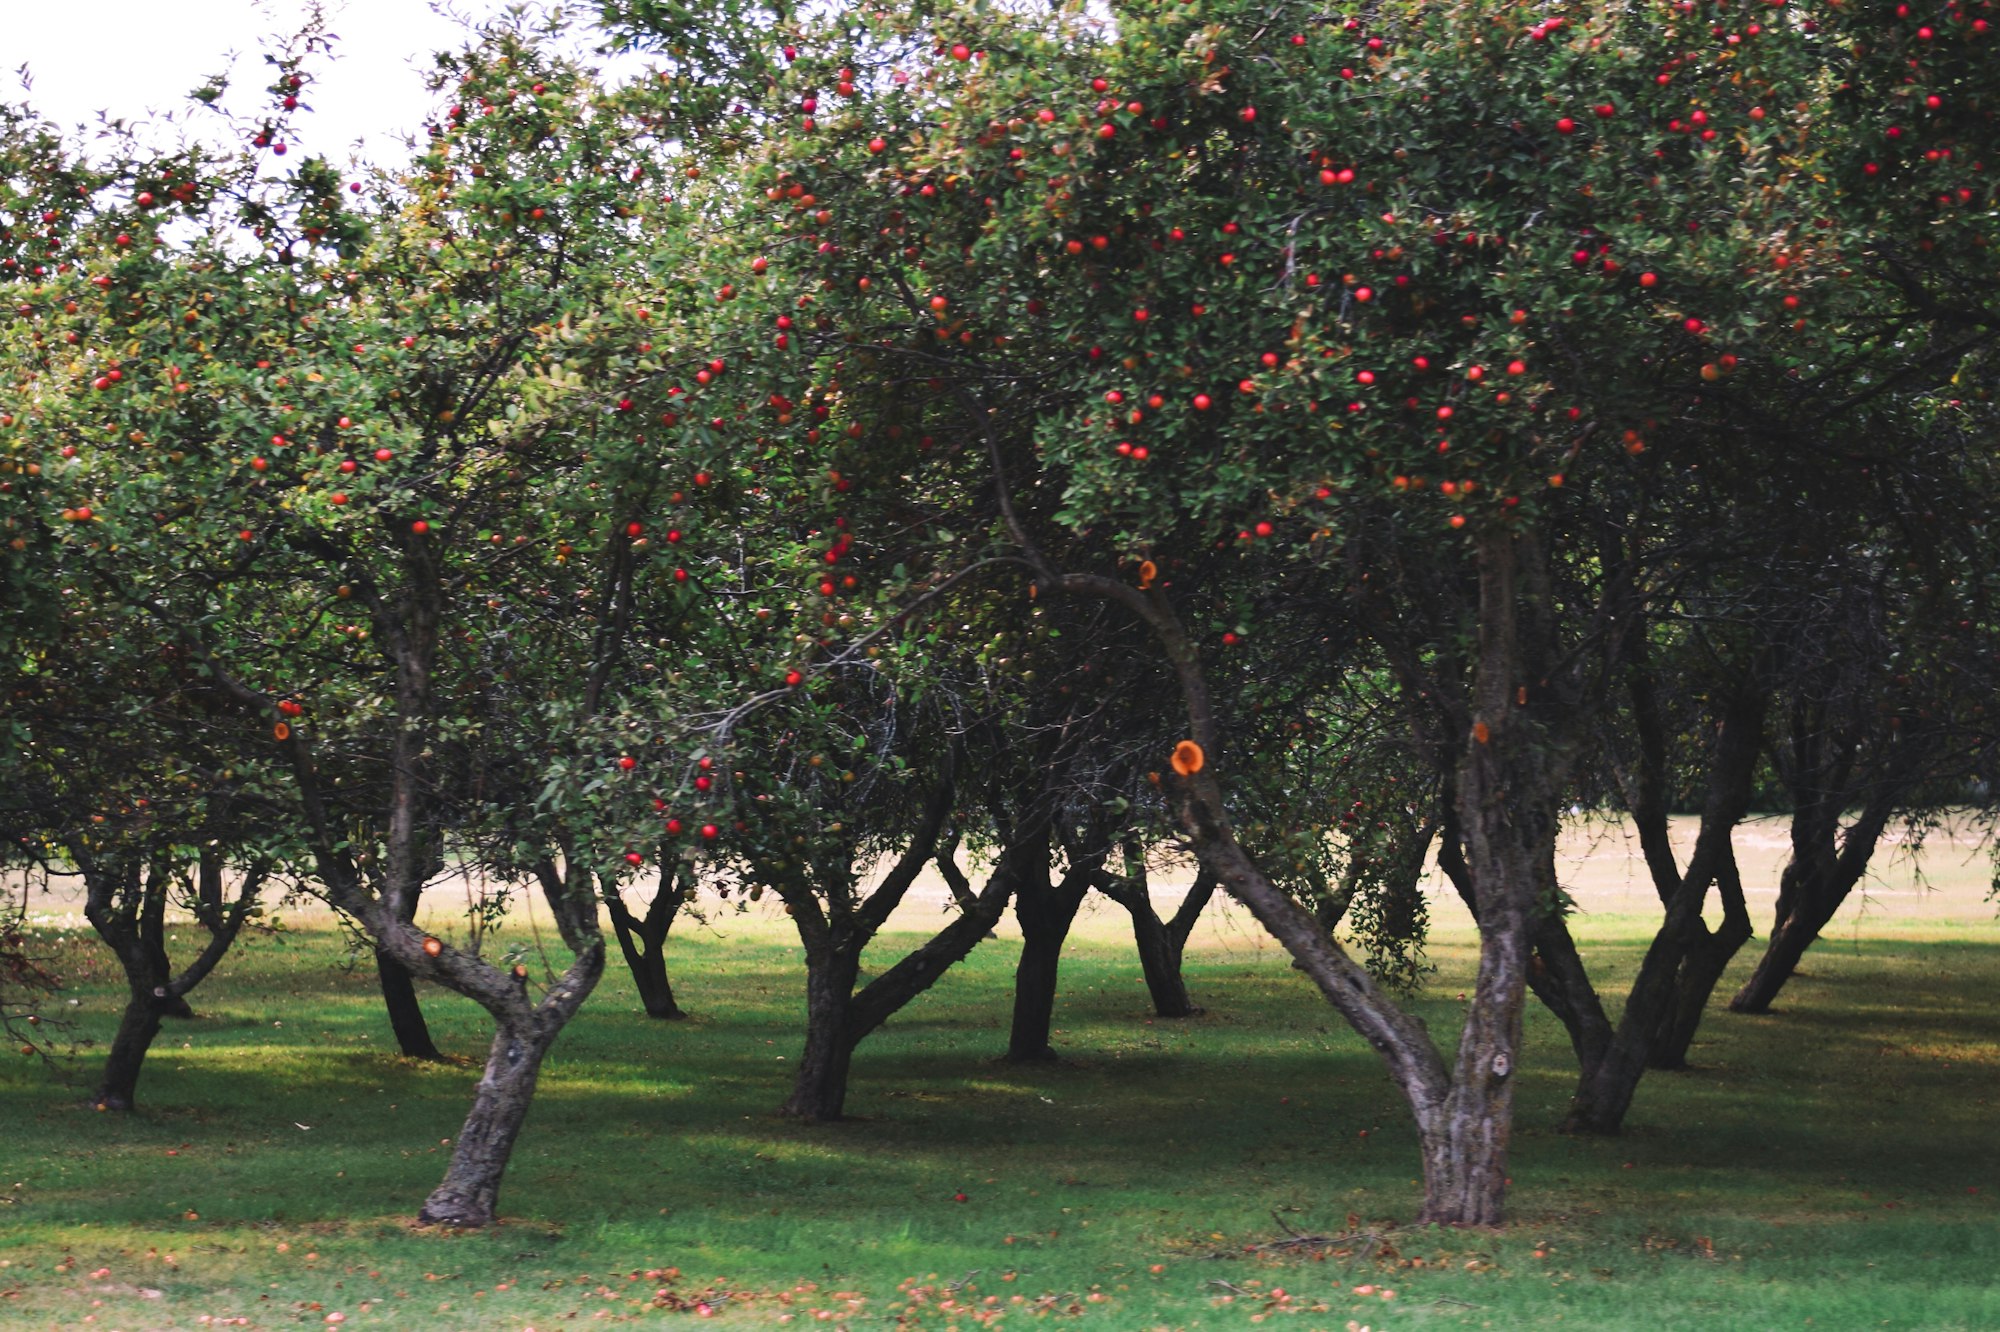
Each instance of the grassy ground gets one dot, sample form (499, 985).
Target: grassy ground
(1830, 1167)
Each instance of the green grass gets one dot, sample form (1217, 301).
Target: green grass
(1818, 1170)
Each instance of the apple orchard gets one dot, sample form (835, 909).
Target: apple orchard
(1305, 444)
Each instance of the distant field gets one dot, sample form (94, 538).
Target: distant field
(1831, 1166)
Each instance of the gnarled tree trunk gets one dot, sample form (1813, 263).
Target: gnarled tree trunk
(523, 1031)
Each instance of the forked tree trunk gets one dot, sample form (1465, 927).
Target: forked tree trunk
(1556, 974)
(523, 1031)
(1701, 971)
(837, 929)
(1684, 950)
(1160, 963)
(1826, 778)
(1161, 944)
(1046, 909)
(126, 903)
(643, 941)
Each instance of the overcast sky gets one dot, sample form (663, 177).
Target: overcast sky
(131, 56)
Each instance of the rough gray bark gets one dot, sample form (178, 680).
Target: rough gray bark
(1507, 780)
(524, 1029)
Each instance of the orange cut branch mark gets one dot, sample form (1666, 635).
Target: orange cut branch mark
(281, 732)
(1481, 732)
(1148, 571)
(1188, 758)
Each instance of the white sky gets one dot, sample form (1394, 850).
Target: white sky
(131, 56)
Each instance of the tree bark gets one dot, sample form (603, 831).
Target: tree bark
(1683, 949)
(523, 1031)
(469, 1194)
(1798, 928)
(835, 929)
(1825, 865)
(406, 1012)
(117, 1087)
(1829, 771)
(643, 940)
(1045, 908)
(126, 902)
(1160, 943)
(819, 1083)
(1556, 974)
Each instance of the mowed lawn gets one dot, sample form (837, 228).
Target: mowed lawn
(1836, 1165)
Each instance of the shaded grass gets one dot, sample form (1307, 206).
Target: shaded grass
(1818, 1165)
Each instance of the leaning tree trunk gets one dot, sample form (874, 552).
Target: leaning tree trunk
(523, 1031)
(117, 1087)
(1797, 930)
(469, 1195)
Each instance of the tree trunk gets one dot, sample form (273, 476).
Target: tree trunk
(126, 903)
(406, 1014)
(1160, 943)
(1685, 956)
(1465, 1156)
(1506, 784)
(643, 941)
(1035, 978)
(523, 1031)
(819, 1085)
(1045, 910)
(1795, 932)
(1160, 961)
(1702, 970)
(470, 1193)
(1556, 974)
(117, 1088)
